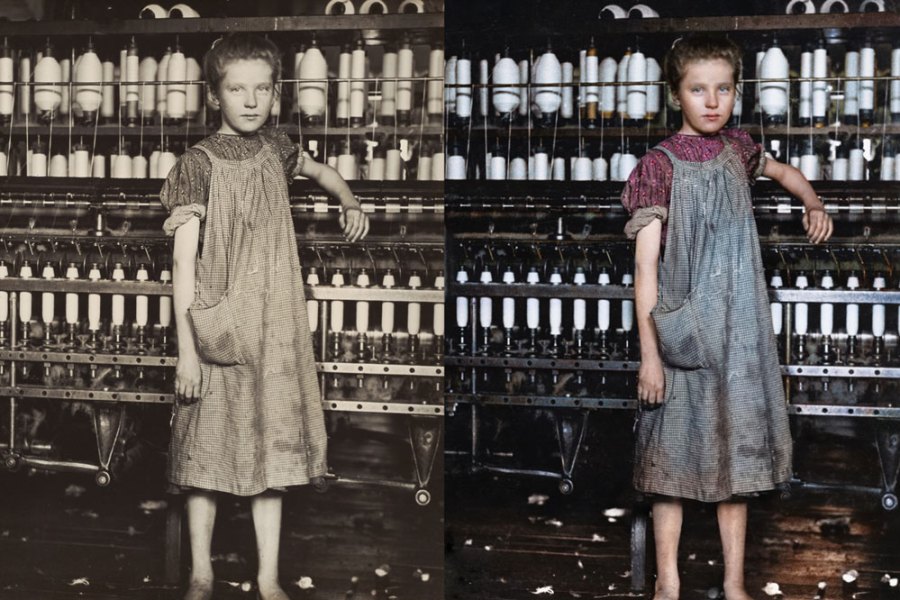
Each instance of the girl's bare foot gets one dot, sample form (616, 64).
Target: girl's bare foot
(736, 592)
(271, 591)
(199, 590)
(666, 592)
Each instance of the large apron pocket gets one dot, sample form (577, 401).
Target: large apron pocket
(216, 331)
(679, 333)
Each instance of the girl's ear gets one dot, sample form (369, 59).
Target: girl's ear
(211, 97)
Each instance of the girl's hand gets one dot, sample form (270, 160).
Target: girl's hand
(818, 224)
(187, 379)
(651, 382)
(354, 223)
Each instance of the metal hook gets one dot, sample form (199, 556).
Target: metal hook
(779, 251)
(863, 267)
(837, 264)
(368, 252)
(424, 262)
(887, 262)
(393, 251)
(784, 263)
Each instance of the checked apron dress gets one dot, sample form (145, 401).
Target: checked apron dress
(723, 428)
(259, 422)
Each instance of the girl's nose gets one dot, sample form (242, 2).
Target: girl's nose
(712, 101)
(250, 99)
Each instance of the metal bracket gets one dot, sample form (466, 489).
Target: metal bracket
(108, 423)
(570, 429)
(424, 437)
(887, 438)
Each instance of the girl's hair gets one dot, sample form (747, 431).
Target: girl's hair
(699, 47)
(238, 46)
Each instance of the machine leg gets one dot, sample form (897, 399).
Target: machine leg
(639, 546)
(474, 428)
(887, 435)
(424, 437)
(570, 430)
(172, 568)
(108, 423)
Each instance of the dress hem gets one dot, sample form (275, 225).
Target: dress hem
(184, 487)
(746, 490)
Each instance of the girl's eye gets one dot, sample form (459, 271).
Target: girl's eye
(725, 89)
(234, 90)
(696, 90)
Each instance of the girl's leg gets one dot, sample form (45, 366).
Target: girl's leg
(733, 531)
(266, 509)
(201, 513)
(667, 516)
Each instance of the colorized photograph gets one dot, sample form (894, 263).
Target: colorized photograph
(672, 262)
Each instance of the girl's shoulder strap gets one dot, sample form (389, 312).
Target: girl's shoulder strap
(671, 155)
(200, 146)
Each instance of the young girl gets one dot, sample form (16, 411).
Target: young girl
(713, 425)
(248, 419)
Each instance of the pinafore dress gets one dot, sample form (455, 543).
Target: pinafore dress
(259, 422)
(723, 428)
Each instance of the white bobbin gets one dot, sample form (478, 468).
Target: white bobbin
(612, 11)
(183, 11)
(379, 6)
(411, 6)
(871, 6)
(346, 5)
(829, 7)
(152, 11)
(800, 7)
(642, 11)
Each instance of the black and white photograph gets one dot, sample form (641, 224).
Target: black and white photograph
(222, 332)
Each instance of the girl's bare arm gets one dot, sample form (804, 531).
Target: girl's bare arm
(354, 222)
(816, 222)
(651, 380)
(184, 257)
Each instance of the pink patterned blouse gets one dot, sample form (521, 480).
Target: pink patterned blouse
(647, 191)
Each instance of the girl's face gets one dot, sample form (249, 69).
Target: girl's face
(245, 96)
(706, 96)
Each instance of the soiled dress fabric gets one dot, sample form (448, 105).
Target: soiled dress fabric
(723, 428)
(259, 423)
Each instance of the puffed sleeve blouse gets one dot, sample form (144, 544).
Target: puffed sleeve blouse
(648, 188)
(185, 191)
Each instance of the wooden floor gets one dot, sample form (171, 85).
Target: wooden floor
(506, 537)
(503, 544)
(61, 537)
